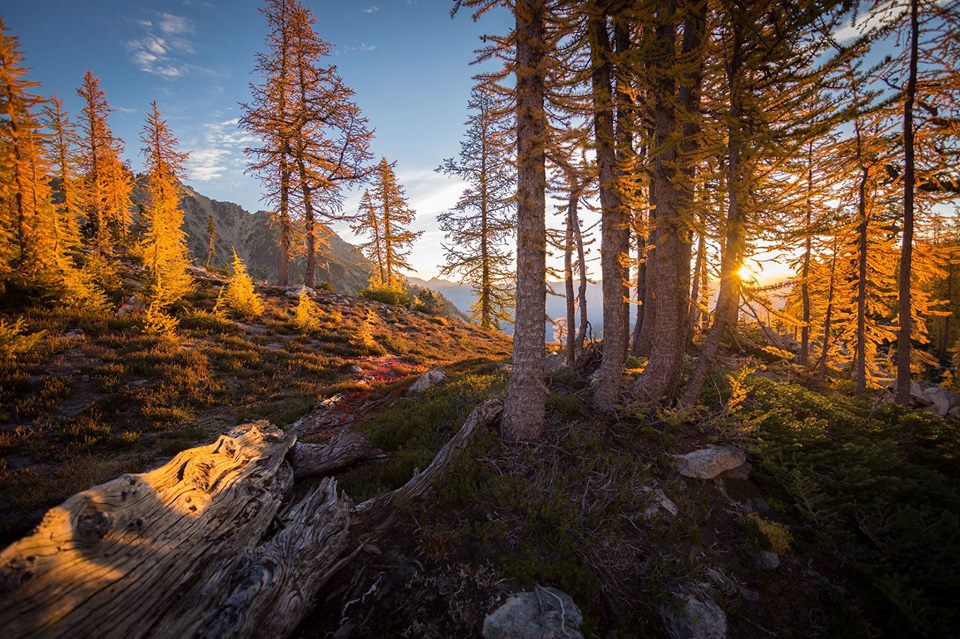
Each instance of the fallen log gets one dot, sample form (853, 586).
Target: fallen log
(343, 450)
(202, 546)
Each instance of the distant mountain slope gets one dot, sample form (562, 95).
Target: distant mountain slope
(256, 241)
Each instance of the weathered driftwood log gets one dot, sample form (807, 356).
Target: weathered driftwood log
(345, 449)
(114, 560)
(196, 548)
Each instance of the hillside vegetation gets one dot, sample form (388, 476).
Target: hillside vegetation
(86, 397)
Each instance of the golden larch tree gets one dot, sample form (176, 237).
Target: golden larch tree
(164, 247)
(105, 183)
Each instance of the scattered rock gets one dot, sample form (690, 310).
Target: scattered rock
(692, 617)
(356, 370)
(659, 502)
(940, 401)
(74, 333)
(431, 378)
(546, 613)
(709, 462)
(294, 292)
(768, 560)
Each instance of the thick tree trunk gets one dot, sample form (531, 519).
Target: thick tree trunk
(909, 181)
(688, 94)
(670, 231)
(523, 410)
(611, 211)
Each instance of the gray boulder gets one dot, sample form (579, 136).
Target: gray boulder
(433, 377)
(709, 462)
(689, 616)
(545, 613)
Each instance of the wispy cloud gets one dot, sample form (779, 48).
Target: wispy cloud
(163, 45)
(877, 16)
(219, 152)
(371, 9)
(361, 46)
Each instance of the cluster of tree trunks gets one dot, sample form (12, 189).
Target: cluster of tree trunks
(208, 545)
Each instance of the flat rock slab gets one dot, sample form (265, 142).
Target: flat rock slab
(709, 462)
(545, 613)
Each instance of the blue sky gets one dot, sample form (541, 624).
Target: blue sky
(407, 60)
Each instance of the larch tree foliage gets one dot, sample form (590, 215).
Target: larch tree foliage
(211, 240)
(164, 248)
(62, 143)
(105, 184)
(385, 218)
(268, 118)
(77, 279)
(367, 223)
(773, 63)
(330, 138)
(312, 136)
(25, 207)
(481, 223)
(925, 76)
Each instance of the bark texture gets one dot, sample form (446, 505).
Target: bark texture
(205, 545)
(523, 410)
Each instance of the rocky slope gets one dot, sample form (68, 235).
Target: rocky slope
(256, 241)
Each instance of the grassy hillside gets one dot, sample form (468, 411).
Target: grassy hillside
(87, 398)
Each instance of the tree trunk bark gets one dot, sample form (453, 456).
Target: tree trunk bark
(674, 168)
(284, 214)
(523, 410)
(860, 369)
(568, 280)
(804, 356)
(909, 180)
(611, 214)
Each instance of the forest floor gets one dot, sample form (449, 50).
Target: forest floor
(97, 397)
(844, 523)
(858, 501)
